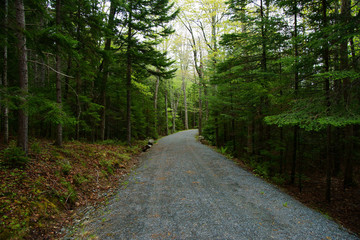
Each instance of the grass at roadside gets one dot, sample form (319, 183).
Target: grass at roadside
(38, 195)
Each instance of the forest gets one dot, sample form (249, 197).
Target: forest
(275, 83)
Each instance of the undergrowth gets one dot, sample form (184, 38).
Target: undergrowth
(39, 193)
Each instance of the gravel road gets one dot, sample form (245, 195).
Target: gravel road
(185, 190)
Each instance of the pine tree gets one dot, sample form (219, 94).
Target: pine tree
(147, 19)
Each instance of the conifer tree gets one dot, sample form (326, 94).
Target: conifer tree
(145, 22)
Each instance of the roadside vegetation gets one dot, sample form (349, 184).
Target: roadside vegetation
(39, 194)
(344, 207)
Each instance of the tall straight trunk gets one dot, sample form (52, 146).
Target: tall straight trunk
(296, 89)
(263, 37)
(327, 94)
(78, 106)
(5, 77)
(200, 110)
(294, 154)
(128, 82)
(250, 138)
(23, 76)
(59, 130)
(166, 114)
(174, 106)
(206, 102)
(157, 84)
(281, 166)
(217, 132)
(185, 103)
(67, 79)
(344, 64)
(106, 72)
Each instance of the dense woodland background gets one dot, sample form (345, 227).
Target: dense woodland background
(273, 82)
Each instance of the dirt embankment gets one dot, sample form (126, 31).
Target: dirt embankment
(39, 200)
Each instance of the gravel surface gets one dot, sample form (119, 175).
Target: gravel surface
(185, 190)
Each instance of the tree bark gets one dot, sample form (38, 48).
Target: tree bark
(106, 72)
(200, 110)
(5, 77)
(166, 113)
(59, 131)
(157, 83)
(23, 76)
(344, 64)
(296, 89)
(327, 94)
(128, 82)
(185, 102)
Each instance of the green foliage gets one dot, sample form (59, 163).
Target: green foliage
(35, 147)
(69, 195)
(14, 157)
(108, 165)
(65, 166)
(48, 111)
(80, 179)
(262, 168)
(223, 150)
(278, 179)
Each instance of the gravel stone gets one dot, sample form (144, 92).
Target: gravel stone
(185, 190)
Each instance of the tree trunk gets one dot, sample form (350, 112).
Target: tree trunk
(185, 103)
(23, 76)
(128, 82)
(327, 94)
(200, 110)
(174, 106)
(296, 88)
(67, 79)
(5, 77)
(344, 64)
(106, 72)
(249, 138)
(58, 141)
(166, 113)
(294, 155)
(78, 106)
(157, 83)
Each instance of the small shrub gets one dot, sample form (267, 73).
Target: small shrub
(70, 195)
(65, 167)
(278, 179)
(14, 157)
(108, 166)
(223, 150)
(80, 179)
(35, 147)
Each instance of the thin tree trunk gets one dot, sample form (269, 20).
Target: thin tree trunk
(128, 82)
(200, 109)
(166, 113)
(249, 138)
(296, 87)
(174, 106)
(157, 83)
(327, 94)
(59, 130)
(294, 155)
(67, 79)
(106, 72)
(344, 64)
(185, 103)
(23, 76)
(78, 106)
(5, 77)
